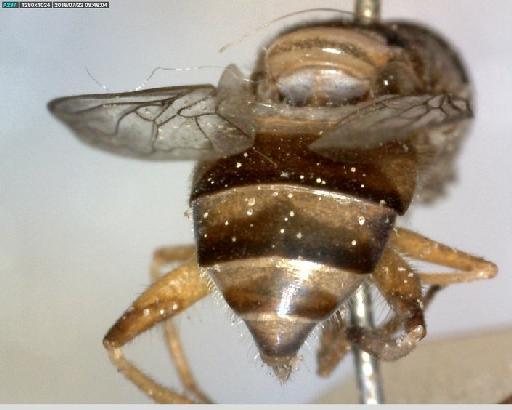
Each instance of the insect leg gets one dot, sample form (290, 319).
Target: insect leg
(401, 288)
(467, 267)
(161, 258)
(395, 322)
(168, 296)
(334, 344)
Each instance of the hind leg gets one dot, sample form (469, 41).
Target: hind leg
(335, 344)
(468, 268)
(161, 258)
(389, 277)
(401, 288)
(168, 296)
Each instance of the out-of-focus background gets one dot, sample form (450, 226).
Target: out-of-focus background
(78, 226)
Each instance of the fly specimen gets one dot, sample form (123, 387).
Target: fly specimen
(303, 169)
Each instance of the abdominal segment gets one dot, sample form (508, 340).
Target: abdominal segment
(291, 222)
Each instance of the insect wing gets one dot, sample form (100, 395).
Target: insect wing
(392, 118)
(158, 124)
(235, 103)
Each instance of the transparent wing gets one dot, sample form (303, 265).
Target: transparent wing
(391, 118)
(159, 124)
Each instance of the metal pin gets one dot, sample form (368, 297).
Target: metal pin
(368, 377)
(367, 11)
(366, 366)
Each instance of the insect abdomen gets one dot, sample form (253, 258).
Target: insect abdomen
(285, 257)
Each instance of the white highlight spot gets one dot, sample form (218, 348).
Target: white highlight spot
(331, 50)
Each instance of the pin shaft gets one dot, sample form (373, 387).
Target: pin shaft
(368, 377)
(367, 369)
(367, 11)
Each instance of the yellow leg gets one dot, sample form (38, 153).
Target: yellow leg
(400, 285)
(468, 268)
(401, 288)
(395, 322)
(334, 343)
(161, 258)
(168, 296)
